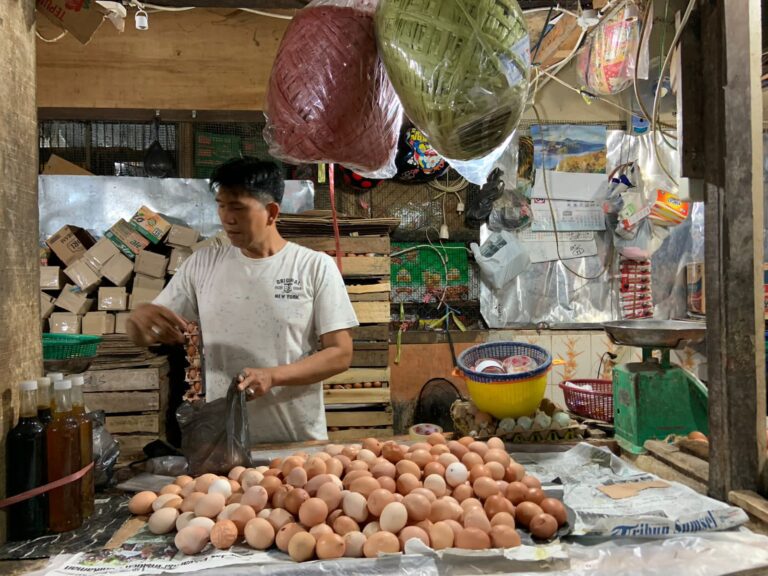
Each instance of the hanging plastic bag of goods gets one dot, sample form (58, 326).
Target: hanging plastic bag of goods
(461, 70)
(329, 99)
(606, 63)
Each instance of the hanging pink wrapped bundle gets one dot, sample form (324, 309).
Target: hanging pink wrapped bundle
(329, 98)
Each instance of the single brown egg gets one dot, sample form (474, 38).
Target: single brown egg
(466, 440)
(412, 532)
(436, 484)
(496, 504)
(256, 497)
(462, 492)
(367, 456)
(472, 539)
(696, 435)
(270, 484)
(515, 472)
(210, 505)
(392, 452)
(188, 489)
(234, 473)
(163, 520)
(358, 465)
(478, 471)
(543, 526)
(457, 448)
(191, 539)
(434, 468)
(312, 485)
(204, 482)
(435, 438)
(330, 546)
(440, 449)
(418, 507)
(333, 449)
(516, 492)
(355, 506)
(447, 459)
(275, 462)
(319, 529)
(535, 495)
(353, 544)
(388, 483)
(365, 485)
(378, 500)
(189, 503)
(554, 508)
(315, 466)
(441, 536)
(297, 477)
(428, 494)
(295, 498)
(171, 489)
(531, 481)
(496, 443)
(384, 468)
(500, 456)
(284, 535)
(223, 534)
(278, 498)
(373, 445)
(354, 475)
(235, 498)
(279, 517)
(167, 501)
(503, 536)
(393, 517)
(495, 470)
(381, 542)
(503, 518)
(443, 509)
(333, 515)
(330, 494)
(289, 464)
(241, 517)
(476, 518)
(485, 487)
(525, 512)
(503, 485)
(302, 547)
(471, 459)
(479, 448)
(344, 525)
(333, 466)
(371, 528)
(183, 480)
(313, 511)
(406, 483)
(141, 503)
(408, 467)
(250, 478)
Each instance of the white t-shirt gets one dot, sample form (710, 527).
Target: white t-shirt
(261, 313)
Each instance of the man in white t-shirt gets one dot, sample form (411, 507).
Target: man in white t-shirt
(262, 303)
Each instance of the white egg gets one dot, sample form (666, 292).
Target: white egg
(222, 487)
(456, 474)
(202, 521)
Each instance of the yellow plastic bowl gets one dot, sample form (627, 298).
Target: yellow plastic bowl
(508, 399)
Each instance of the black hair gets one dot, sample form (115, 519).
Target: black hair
(257, 178)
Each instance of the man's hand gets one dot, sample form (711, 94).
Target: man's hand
(255, 382)
(151, 324)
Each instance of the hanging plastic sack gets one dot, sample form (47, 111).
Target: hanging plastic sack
(461, 70)
(214, 435)
(501, 258)
(480, 204)
(106, 450)
(329, 98)
(511, 212)
(606, 63)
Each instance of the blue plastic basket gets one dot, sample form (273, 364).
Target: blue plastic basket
(499, 351)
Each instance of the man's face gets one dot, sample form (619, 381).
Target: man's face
(245, 219)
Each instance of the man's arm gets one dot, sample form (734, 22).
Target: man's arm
(334, 358)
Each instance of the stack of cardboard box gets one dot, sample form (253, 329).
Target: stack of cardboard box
(90, 287)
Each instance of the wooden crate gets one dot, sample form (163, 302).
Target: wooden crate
(347, 244)
(360, 375)
(358, 418)
(357, 266)
(132, 447)
(348, 434)
(372, 312)
(356, 396)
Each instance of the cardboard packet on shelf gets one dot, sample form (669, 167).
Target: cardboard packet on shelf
(126, 238)
(47, 305)
(64, 323)
(98, 323)
(51, 278)
(118, 270)
(73, 300)
(142, 296)
(70, 243)
(100, 253)
(142, 281)
(121, 319)
(150, 224)
(150, 264)
(83, 275)
(113, 299)
(181, 236)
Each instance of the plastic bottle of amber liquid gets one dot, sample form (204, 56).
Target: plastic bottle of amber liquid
(44, 400)
(55, 377)
(25, 451)
(64, 455)
(86, 443)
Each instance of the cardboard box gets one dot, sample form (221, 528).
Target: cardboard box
(127, 240)
(73, 300)
(100, 253)
(150, 264)
(57, 165)
(83, 275)
(81, 18)
(142, 281)
(142, 296)
(64, 323)
(118, 270)
(182, 236)
(70, 243)
(47, 304)
(150, 224)
(51, 278)
(178, 255)
(113, 299)
(121, 320)
(98, 323)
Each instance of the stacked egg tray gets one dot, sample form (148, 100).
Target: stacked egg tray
(549, 424)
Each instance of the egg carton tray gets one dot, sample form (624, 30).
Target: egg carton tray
(573, 432)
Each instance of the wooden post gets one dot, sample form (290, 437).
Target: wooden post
(19, 262)
(722, 139)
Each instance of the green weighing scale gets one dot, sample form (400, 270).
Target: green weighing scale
(655, 398)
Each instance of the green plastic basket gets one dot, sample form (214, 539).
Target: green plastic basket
(66, 346)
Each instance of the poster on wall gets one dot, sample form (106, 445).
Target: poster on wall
(569, 148)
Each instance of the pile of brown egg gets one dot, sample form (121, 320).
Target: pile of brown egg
(360, 500)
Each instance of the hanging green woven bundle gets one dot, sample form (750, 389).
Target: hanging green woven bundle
(460, 68)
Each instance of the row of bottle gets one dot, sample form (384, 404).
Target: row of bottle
(53, 439)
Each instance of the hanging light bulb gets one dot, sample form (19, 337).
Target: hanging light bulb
(142, 20)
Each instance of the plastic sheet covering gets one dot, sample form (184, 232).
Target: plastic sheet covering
(329, 97)
(97, 202)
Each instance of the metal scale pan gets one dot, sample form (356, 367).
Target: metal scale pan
(655, 333)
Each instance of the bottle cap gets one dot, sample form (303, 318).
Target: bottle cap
(77, 380)
(27, 385)
(43, 381)
(62, 385)
(55, 376)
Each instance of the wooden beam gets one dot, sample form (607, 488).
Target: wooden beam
(721, 91)
(147, 115)
(750, 502)
(356, 396)
(359, 375)
(249, 4)
(359, 418)
(559, 33)
(671, 455)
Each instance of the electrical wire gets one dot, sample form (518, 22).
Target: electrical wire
(50, 40)
(656, 99)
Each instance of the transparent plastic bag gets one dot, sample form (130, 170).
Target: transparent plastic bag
(606, 63)
(214, 435)
(480, 204)
(105, 450)
(511, 212)
(468, 100)
(329, 97)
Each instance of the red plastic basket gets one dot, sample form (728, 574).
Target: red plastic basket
(596, 403)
